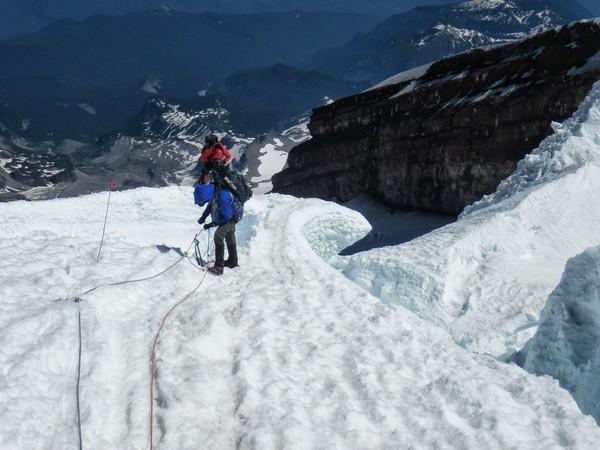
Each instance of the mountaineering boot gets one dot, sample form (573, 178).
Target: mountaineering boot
(216, 270)
(232, 259)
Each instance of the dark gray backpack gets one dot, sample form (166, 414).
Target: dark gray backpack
(234, 182)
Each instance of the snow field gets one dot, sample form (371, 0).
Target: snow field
(283, 352)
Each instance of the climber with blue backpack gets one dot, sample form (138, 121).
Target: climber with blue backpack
(226, 211)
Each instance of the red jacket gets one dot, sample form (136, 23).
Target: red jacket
(216, 153)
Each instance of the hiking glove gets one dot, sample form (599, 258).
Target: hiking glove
(201, 220)
(208, 225)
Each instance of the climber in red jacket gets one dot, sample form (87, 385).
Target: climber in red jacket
(213, 154)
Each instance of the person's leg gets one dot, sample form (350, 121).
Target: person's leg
(204, 178)
(232, 258)
(224, 234)
(220, 235)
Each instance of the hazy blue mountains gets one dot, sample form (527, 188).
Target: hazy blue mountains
(76, 78)
(428, 33)
(133, 93)
(269, 96)
(25, 16)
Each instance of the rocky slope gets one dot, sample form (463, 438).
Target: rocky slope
(440, 137)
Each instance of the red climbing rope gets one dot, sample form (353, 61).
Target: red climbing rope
(153, 358)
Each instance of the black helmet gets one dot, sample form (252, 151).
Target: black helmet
(211, 139)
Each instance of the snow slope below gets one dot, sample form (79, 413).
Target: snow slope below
(283, 352)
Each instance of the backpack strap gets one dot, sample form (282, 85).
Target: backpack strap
(237, 207)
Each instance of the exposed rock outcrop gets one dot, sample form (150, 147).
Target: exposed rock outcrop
(11, 197)
(439, 137)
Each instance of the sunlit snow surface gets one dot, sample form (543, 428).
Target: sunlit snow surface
(298, 348)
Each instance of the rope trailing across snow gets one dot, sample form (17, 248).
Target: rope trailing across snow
(79, 380)
(154, 345)
(119, 283)
(105, 219)
(78, 299)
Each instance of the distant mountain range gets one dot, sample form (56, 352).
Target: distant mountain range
(82, 93)
(159, 146)
(26, 16)
(426, 34)
(268, 97)
(80, 78)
